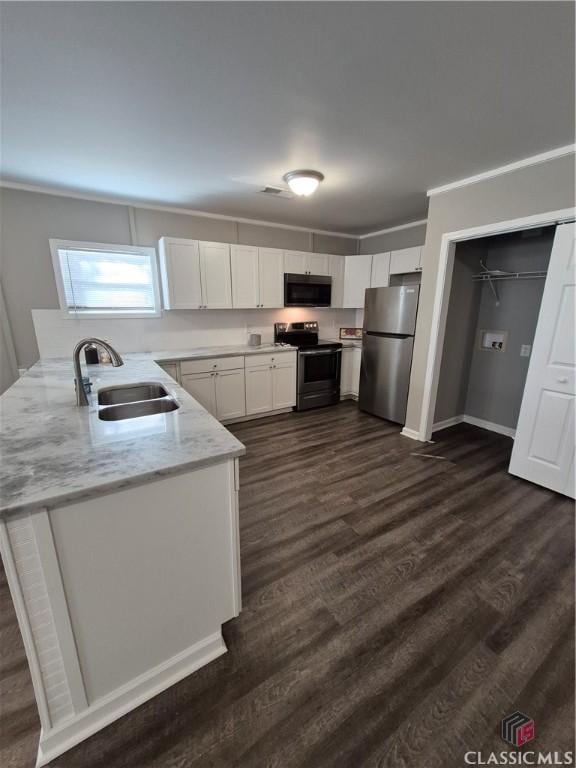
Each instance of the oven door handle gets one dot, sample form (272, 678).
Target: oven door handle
(321, 352)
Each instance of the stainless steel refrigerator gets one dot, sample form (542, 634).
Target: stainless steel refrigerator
(387, 344)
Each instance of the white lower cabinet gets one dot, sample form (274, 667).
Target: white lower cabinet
(284, 385)
(350, 373)
(201, 387)
(228, 390)
(230, 394)
(270, 382)
(259, 397)
(217, 384)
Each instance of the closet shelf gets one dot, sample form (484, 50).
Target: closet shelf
(487, 277)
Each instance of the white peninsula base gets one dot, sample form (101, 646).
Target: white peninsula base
(122, 595)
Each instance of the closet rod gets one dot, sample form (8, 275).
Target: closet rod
(485, 277)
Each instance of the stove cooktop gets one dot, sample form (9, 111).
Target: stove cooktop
(303, 335)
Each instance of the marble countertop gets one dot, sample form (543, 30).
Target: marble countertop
(53, 452)
(200, 353)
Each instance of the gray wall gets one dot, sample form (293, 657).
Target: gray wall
(460, 331)
(539, 188)
(497, 379)
(30, 219)
(489, 385)
(393, 241)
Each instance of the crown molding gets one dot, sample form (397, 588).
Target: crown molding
(165, 208)
(528, 161)
(409, 225)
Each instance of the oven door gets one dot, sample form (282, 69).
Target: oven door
(319, 369)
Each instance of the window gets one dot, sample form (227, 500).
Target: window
(96, 279)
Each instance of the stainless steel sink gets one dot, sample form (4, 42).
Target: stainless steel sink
(135, 410)
(131, 393)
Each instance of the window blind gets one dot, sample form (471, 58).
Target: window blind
(107, 281)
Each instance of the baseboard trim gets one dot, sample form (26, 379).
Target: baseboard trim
(490, 425)
(439, 425)
(482, 423)
(349, 396)
(253, 416)
(412, 434)
(126, 698)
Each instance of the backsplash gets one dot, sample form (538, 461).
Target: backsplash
(57, 333)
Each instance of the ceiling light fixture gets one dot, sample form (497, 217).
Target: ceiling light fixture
(303, 183)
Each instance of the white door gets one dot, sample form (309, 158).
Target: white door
(356, 280)
(202, 388)
(380, 270)
(271, 269)
(245, 280)
(319, 264)
(230, 394)
(284, 384)
(544, 445)
(180, 269)
(259, 389)
(406, 260)
(296, 262)
(215, 274)
(337, 273)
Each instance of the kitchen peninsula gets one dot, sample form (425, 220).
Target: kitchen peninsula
(120, 543)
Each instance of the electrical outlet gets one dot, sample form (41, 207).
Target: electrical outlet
(525, 350)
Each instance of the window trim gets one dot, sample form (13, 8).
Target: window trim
(57, 245)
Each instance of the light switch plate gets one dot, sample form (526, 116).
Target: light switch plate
(525, 350)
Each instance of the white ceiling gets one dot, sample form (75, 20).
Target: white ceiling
(200, 104)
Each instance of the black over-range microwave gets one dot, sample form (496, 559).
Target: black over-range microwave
(307, 290)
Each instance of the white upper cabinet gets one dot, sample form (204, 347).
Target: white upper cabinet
(303, 263)
(337, 267)
(357, 276)
(195, 275)
(215, 275)
(406, 260)
(319, 263)
(380, 270)
(245, 276)
(180, 273)
(296, 262)
(271, 277)
(257, 276)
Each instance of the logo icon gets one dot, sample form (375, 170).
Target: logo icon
(517, 729)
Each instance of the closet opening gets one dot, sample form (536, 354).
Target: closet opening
(494, 301)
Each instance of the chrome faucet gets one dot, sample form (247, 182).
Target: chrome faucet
(81, 396)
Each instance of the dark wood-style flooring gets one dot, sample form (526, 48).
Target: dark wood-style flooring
(395, 609)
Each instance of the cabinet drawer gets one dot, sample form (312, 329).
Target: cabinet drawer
(212, 364)
(278, 358)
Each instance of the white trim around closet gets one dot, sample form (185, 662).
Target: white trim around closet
(442, 296)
